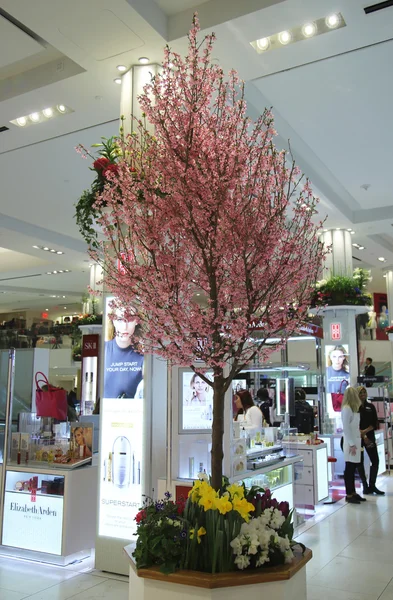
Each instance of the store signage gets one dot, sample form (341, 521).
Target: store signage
(44, 315)
(335, 332)
(375, 379)
(311, 329)
(122, 430)
(33, 522)
(90, 352)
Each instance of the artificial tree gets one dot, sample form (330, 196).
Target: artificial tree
(213, 227)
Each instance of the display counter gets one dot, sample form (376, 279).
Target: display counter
(50, 513)
(311, 476)
(334, 449)
(278, 477)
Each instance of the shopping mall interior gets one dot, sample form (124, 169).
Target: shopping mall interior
(68, 70)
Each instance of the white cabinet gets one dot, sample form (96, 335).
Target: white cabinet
(311, 477)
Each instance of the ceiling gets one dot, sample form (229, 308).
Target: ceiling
(330, 94)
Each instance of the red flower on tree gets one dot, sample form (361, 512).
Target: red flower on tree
(101, 163)
(220, 227)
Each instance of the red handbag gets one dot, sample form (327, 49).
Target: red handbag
(337, 397)
(50, 402)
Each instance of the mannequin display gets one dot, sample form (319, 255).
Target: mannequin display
(372, 324)
(383, 319)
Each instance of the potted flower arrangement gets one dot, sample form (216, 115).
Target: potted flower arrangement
(343, 290)
(389, 331)
(214, 531)
(87, 210)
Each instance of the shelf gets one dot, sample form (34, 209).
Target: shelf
(255, 452)
(26, 493)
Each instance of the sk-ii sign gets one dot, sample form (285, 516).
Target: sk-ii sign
(335, 332)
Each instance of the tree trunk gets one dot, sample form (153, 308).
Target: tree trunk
(217, 453)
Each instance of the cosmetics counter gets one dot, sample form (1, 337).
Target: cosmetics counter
(50, 512)
(334, 449)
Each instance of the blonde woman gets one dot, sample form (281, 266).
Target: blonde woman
(352, 442)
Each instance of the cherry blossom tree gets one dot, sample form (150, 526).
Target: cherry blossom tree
(213, 228)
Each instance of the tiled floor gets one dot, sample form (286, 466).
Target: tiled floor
(352, 548)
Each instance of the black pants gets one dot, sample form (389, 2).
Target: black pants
(349, 477)
(374, 465)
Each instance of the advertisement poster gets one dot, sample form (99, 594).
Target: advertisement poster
(82, 440)
(121, 467)
(90, 349)
(122, 424)
(337, 368)
(123, 375)
(197, 402)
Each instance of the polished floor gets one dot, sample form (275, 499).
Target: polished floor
(352, 548)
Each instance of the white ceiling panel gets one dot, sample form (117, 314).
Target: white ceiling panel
(15, 44)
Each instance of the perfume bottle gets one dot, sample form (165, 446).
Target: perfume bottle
(121, 462)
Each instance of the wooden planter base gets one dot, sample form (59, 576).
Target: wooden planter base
(286, 582)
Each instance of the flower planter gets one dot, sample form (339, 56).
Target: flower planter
(287, 582)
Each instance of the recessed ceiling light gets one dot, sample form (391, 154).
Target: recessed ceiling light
(384, 275)
(117, 80)
(284, 37)
(143, 60)
(59, 252)
(352, 232)
(61, 108)
(47, 309)
(361, 248)
(263, 44)
(338, 229)
(349, 229)
(21, 121)
(45, 248)
(51, 250)
(326, 230)
(48, 112)
(121, 68)
(65, 308)
(35, 117)
(61, 271)
(36, 247)
(381, 258)
(332, 21)
(49, 273)
(54, 272)
(309, 29)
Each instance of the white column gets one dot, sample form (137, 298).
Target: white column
(339, 261)
(132, 86)
(389, 289)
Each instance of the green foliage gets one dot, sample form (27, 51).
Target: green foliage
(343, 290)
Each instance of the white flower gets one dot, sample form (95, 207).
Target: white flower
(242, 562)
(203, 477)
(236, 546)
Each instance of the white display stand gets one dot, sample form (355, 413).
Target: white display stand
(277, 583)
(47, 527)
(311, 478)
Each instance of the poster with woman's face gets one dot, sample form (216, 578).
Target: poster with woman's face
(197, 402)
(123, 369)
(337, 368)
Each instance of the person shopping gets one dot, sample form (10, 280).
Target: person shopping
(249, 415)
(368, 425)
(352, 442)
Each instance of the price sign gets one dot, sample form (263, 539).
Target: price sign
(335, 331)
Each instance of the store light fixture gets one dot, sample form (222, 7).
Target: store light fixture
(284, 37)
(40, 116)
(121, 68)
(382, 276)
(144, 60)
(352, 232)
(47, 249)
(358, 246)
(333, 21)
(58, 273)
(381, 259)
(307, 30)
(117, 80)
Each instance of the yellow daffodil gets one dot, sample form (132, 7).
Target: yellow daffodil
(236, 490)
(201, 531)
(207, 500)
(223, 505)
(243, 508)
